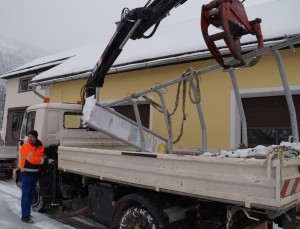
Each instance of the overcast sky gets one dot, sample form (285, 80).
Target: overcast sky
(59, 25)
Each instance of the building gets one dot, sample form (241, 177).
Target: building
(174, 49)
(20, 95)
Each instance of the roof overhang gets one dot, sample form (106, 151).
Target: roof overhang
(154, 62)
(35, 69)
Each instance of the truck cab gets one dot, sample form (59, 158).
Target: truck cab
(48, 119)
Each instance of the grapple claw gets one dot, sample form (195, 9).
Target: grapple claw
(229, 16)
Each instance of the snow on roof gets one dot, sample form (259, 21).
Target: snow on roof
(29, 70)
(278, 19)
(39, 63)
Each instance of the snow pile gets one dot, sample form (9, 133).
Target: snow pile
(290, 150)
(295, 146)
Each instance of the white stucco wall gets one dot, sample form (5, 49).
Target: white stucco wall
(14, 98)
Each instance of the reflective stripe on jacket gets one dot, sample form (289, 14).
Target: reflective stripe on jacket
(31, 157)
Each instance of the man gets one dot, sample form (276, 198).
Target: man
(31, 157)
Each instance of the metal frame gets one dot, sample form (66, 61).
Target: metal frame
(157, 89)
(138, 124)
(288, 95)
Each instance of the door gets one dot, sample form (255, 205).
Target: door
(13, 125)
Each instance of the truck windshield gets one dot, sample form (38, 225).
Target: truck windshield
(28, 123)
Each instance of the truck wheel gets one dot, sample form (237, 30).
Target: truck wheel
(137, 217)
(288, 220)
(137, 211)
(38, 200)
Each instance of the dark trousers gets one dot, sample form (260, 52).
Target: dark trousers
(28, 193)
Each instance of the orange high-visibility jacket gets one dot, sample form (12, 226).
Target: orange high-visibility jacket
(31, 157)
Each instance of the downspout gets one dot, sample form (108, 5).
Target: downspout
(37, 93)
(47, 92)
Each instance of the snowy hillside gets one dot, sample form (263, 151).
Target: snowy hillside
(14, 54)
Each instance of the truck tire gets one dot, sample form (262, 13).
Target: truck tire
(38, 203)
(138, 211)
(137, 216)
(288, 220)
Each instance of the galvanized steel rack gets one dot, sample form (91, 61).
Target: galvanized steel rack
(188, 77)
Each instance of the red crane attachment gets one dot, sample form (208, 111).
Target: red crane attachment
(231, 17)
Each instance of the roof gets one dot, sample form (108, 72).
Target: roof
(175, 42)
(39, 64)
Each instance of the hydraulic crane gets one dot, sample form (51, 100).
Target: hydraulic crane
(229, 15)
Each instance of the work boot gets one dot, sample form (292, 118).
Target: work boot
(27, 220)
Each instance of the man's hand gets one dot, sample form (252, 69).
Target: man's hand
(15, 176)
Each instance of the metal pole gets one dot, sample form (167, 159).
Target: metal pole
(152, 89)
(239, 103)
(139, 122)
(130, 33)
(166, 114)
(288, 95)
(201, 118)
(97, 94)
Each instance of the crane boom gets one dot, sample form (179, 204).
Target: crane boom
(134, 23)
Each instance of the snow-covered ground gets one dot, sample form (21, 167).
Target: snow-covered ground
(10, 211)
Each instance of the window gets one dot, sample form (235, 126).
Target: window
(268, 119)
(268, 136)
(72, 120)
(28, 123)
(24, 84)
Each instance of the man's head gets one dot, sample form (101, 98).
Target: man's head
(32, 136)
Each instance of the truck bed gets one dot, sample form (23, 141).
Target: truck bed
(271, 183)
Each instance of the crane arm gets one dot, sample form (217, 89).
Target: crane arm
(134, 23)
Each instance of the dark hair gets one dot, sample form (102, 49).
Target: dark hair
(33, 133)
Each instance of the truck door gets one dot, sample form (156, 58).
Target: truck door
(13, 126)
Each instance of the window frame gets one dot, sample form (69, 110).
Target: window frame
(29, 88)
(235, 127)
